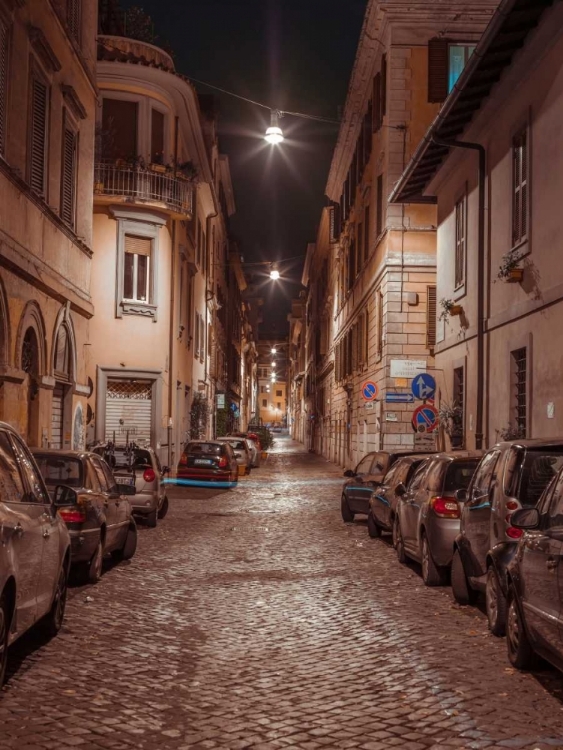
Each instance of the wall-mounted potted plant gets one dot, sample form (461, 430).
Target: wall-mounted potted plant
(451, 418)
(186, 170)
(449, 308)
(512, 432)
(509, 270)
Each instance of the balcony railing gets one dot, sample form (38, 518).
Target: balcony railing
(136, 185)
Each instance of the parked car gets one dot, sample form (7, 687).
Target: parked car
(428, 513)
(141, 468)
(510, 476)
(362, 480)
(242, 452)
(34, 549)
(253, 445)
(98, 514)
(535, 590)
(208, 461)
(383, 499)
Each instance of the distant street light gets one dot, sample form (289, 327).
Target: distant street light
(274, 134)
(274, 350)
(274, 274)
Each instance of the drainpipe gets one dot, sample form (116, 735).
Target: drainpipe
(171, 375)
(210, 273)
(480, 279)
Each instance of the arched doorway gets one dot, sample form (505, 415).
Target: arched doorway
(30, 365)
(62, 371)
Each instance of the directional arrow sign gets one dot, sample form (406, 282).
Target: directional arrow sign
(423, 386)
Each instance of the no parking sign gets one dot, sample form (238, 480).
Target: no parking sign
(425, 418)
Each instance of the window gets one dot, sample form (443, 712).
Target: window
(11, 485)
(73, 18)
(457, 434)
(157, 137)
(379, 215)
(379, 304)
(366, 234)
(100, 474)
(365, 464)
(460, 242)
(446, 61)
(520, 188)
(36, 491)
(63, 369)
(68, 176)
(4, 57)
(136, 270)
(431, 313)
(278, 394)
(39, 114)
(360, 245)
(196, 334)
(518, 390)
(376, 102)
(201, 338)
(481, 482)
(264, 403)
(279, 405)
(119, 129)
(458, 57)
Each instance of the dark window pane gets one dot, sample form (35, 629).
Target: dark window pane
(55, 470)
(119, 129)
(128, 276)
(11, 487)
(459, 475)
(157, 137)
(142, 277)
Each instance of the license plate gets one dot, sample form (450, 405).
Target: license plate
(126, 480)
(203, 462)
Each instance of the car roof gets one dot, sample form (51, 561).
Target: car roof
(207, 442)
(457, 455)
(531, 443)
(60, 453)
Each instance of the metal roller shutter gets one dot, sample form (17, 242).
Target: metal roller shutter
(57, 418)
(129, 411)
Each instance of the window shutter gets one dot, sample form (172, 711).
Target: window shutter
(383, 86)
(38, 135)
(376, 102)
(68, 177)
(520, 188)
(138, 245)
(337, 363)
(73, 18)
(437, 70)
(430, 317)
(4, 39)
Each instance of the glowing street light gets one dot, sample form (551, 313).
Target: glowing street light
(274, 350)
(274, 274)
(274, 133)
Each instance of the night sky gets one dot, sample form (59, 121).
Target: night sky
(289, 54)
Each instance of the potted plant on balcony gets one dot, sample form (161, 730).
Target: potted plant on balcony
(449, 308)
(509, 270)
(157, 164)
(186, 170)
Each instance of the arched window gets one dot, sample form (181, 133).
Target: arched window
(30, 353)
(62, 355)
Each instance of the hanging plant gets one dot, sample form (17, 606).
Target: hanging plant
(187, 170)
(199, 417)
(512, 432)
(222, 422)
(449, 308)
(451, 417)
(509, 269)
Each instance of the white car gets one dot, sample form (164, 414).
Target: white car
(241, 449)
(34, 548)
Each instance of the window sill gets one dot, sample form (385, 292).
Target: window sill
(131, 307)
(522, 248)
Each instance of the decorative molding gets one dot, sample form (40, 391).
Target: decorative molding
(43, 49)
(138, 308)
(72, 99)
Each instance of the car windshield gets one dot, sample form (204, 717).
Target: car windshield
(537, 471)
(213, 449)
(120, 457)
(60, 470)
(459, 474)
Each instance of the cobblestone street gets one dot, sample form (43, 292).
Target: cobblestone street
(255, 618)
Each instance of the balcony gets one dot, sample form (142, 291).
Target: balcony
(143, 186)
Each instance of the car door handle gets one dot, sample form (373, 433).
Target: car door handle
(551, 563)
(17, 529)
(46, 533)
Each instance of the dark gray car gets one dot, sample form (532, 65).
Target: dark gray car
(510, 476)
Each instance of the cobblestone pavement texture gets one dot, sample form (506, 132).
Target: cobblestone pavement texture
(255, 618)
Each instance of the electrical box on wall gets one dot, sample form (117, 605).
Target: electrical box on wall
(411, 298)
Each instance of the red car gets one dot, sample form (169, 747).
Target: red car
(208, 461)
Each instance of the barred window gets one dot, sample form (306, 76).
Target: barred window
(518, 388)
(520, 181)
(460, 241)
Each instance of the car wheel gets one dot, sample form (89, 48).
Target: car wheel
(398, 541)
(53, 621)
(129, 546)
(151, 518)
(496, 604)
(520, 652)
(163, 508)
(373, 529)
(432, 575)
(4, 634)
(462, 591)
(347, 514)
(94, 571)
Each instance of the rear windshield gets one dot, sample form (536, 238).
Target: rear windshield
(59, 470)
(120, 458)
(238, 445)
(536, 472)
(459, 474)
(207, 448)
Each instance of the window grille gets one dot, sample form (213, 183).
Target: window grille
(520, 188)
(459, 400)
(519, 389)
(460, 242)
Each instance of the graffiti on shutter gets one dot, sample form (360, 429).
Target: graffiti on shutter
(129, 411)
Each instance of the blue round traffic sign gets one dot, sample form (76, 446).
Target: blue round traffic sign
(423, 386)
(370, 390)
(425, 418)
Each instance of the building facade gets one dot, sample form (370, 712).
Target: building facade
(47, 115)
(372, 297)
(499, 353)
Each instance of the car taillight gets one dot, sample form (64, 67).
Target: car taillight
(72, 515)
(512, 505)
(149, 475)
(183, 459)
(445, 507)
(513, 533)
(222, 462)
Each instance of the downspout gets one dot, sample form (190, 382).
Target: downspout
(480, 279)
(171, 375)
(210, 273)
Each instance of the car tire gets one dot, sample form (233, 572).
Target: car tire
(163, 508)
(151, 518)
(129, 546)
(373, 529)
(52, 622)
(347, 514)
(94, 569)
(4, 634)
(520, 652)
(496, 604)
(462, 591)
(432, 575)
(398, 541)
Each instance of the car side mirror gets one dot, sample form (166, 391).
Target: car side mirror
(64, 496)
(461, 495)
(400, 489)
(238, 455)
(126, 489)
(525, 519)
(349, 473)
